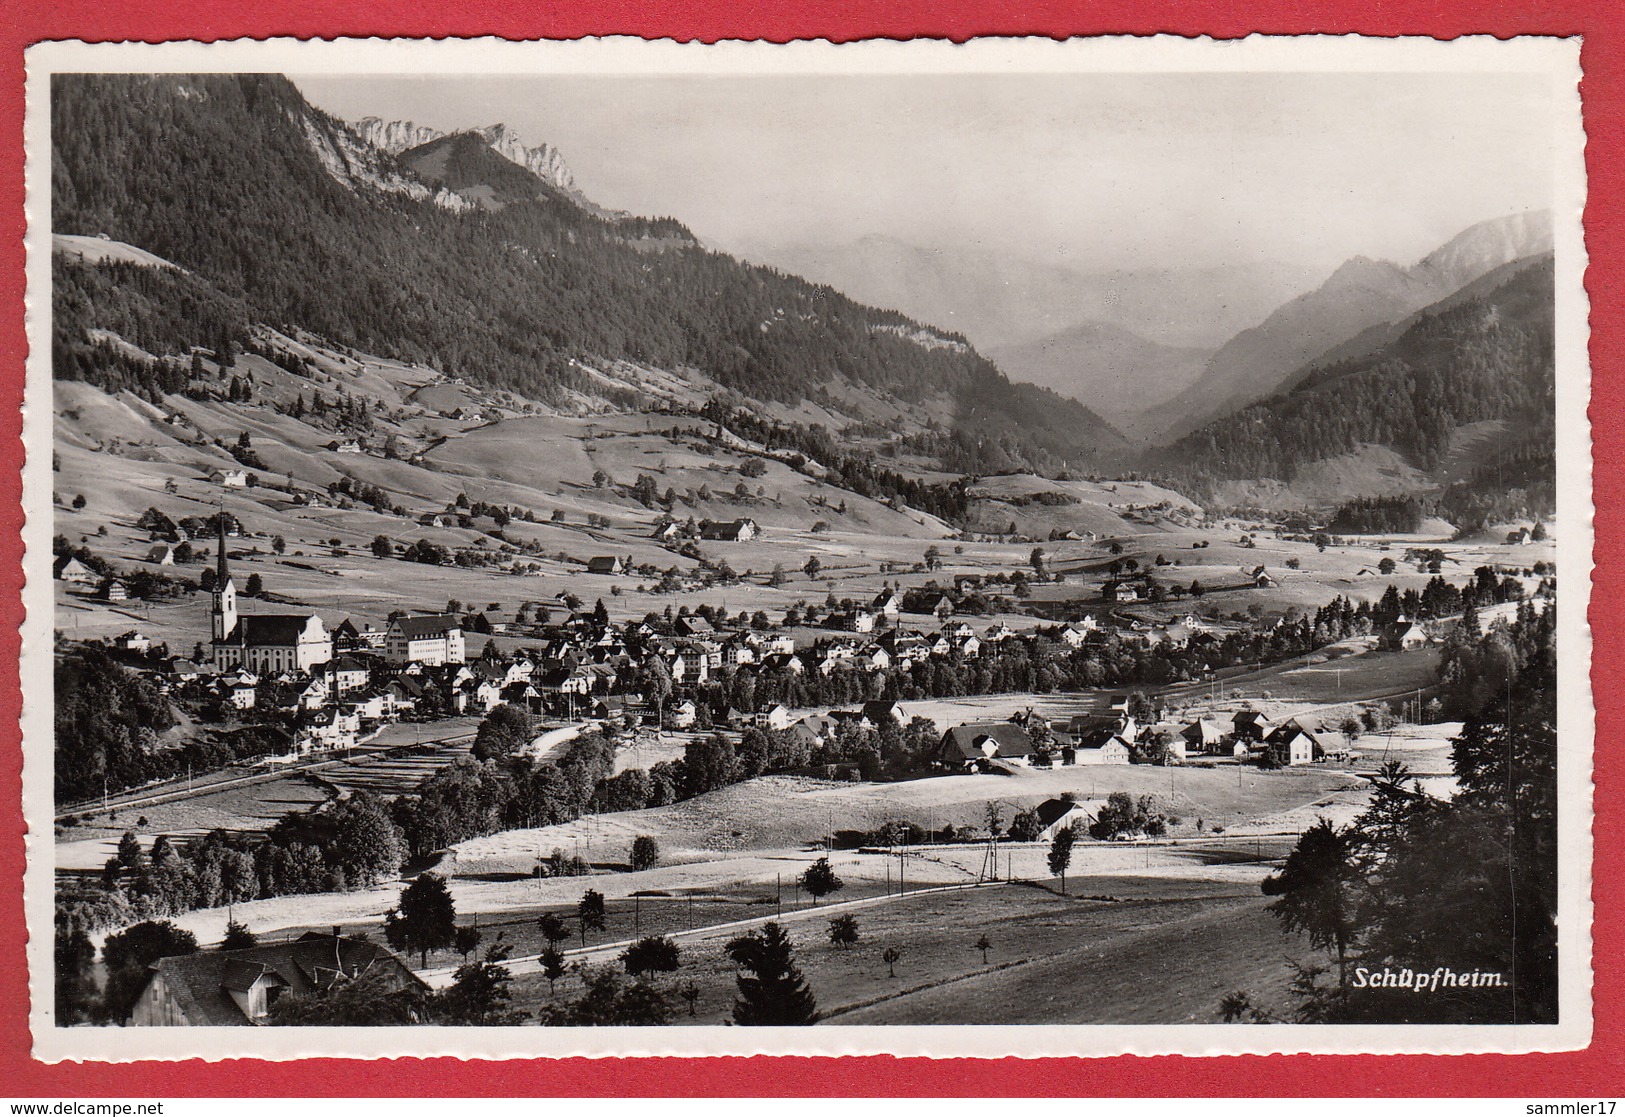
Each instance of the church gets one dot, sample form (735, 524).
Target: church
(262, 642)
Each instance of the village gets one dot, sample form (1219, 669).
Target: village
(336, 689)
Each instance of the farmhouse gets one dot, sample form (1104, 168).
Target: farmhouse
(879, 713)
(972, 747)
(1293, 744)
(1102, 747)
(1202, 736)
(238, 987)
(132, 642)
(1404, 636)
(730, 531)
(230, 478)
(75, 573)
(433, 639)
(345, 446)
(1055, 815)
(162, 554)
(113, 590)
(1120, 592)
(887, 604)
(1250, 725)
(605, 564)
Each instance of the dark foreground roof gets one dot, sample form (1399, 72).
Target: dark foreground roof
(201, 983)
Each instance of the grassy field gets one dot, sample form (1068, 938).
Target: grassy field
(1148, 950)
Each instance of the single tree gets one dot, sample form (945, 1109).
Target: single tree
(590, 913)
(891, 957)
(255, 586)
(382, 547)
(238, 937)
(820, 880)
(772, 991)
(811, 567)
(467, 941)
(551, 962)
(553, 929)
(984, 946)
(1060, 853)
(480, 993)
(653, 954)
(1316, 886)
(426, 918)
(645, 853)
(843, 932)
(690, 992)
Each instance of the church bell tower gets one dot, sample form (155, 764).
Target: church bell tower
(225, 594)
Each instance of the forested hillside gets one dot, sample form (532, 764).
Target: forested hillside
(276, 209)
(1488, 357)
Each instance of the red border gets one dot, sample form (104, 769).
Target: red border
(1598, 1071)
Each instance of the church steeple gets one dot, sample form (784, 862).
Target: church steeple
(224, 613)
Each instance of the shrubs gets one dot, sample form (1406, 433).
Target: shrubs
(1124, 815)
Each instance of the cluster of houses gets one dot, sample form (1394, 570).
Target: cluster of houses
(1115, 737)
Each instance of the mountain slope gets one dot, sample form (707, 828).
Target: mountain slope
(1119, 373)
(295, 221)
(1362, 293)
(1464, 361)
(999, 302)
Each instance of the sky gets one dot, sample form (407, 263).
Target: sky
(1097, 171)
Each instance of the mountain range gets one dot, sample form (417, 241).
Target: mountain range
(473, 254)
(999, 301)
(1359, 295)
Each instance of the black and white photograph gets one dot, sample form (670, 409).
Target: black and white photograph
(620, 547)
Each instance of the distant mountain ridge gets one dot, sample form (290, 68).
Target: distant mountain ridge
(999, 301)
(1119, 373)
(1361, 294)
(396, 136)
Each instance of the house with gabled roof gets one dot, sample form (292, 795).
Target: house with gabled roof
(730, 531)
(887, 604)
(213, 988)
(975, 746)
(1055, 815)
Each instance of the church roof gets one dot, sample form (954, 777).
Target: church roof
(265, 629)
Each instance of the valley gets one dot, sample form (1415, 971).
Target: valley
(541, 553)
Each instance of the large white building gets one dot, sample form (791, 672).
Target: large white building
(431, 640)
(264, 643)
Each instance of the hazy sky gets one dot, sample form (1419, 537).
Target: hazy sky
(1099, 170)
